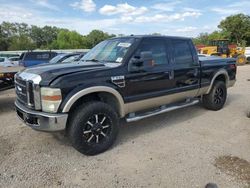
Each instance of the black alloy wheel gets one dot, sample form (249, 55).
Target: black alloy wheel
(93, 127)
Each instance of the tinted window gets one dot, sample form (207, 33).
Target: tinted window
(182, 52)
(1, 59)
(158, 49)
(39, 55)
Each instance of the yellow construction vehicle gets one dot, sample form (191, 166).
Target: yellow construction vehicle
(222, 48)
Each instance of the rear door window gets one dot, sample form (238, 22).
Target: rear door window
(158, 49)
(182, 52)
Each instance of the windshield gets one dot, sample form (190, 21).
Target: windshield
(111, 51)
(56, 58)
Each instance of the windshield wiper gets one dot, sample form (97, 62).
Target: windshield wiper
(94, 60)
(110, 61)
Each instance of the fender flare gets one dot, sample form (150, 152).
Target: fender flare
(220, 72)
(95, 89)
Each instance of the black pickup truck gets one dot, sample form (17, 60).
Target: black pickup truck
(129, 78)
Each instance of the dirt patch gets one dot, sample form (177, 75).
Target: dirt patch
(6, 148)
(50, 176)
(235, 167)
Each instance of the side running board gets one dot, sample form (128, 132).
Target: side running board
(136, 117)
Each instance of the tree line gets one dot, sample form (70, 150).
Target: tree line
(21, 36)
(235, 28)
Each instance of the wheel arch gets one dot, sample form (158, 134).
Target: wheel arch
(221, 75)
(101, 91)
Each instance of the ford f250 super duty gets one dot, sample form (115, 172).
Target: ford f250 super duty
(132, 77)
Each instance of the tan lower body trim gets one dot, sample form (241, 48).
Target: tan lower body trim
(202, 91)
(158, 101)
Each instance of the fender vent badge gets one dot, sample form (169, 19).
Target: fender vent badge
(118, 80)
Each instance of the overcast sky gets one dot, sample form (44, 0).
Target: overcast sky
(180, 17)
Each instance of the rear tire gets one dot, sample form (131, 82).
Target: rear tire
(241, 60)
(93, 128)
(216, 98)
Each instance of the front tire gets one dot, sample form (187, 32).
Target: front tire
(93, 128)
(216, 98)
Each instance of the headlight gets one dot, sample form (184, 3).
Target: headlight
(51, 99)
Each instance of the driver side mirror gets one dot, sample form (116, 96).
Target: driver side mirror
(141, 63)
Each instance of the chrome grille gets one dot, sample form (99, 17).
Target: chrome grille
(21, 90)
(28, 89)
(24, 92)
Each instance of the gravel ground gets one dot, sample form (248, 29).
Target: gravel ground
(184, 148)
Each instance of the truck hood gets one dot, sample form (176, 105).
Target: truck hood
(50, 72)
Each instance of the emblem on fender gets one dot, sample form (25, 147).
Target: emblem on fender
(118, 80)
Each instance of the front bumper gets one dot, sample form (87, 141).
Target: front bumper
(41, 121)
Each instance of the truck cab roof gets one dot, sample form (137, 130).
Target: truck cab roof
(153, 36)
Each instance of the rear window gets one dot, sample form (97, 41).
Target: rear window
(45, 56)
(182, 52)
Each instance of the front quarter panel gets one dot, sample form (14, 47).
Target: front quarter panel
(77, 82)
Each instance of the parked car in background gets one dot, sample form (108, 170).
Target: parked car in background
(5, 62)
(247, 54)
(35, 58)
(7, 75)
(15, 60)
(65, 58)
(80, 56)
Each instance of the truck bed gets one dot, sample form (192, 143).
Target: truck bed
(214, 60)
(4, 86)
(7, 76)
(14, 69)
